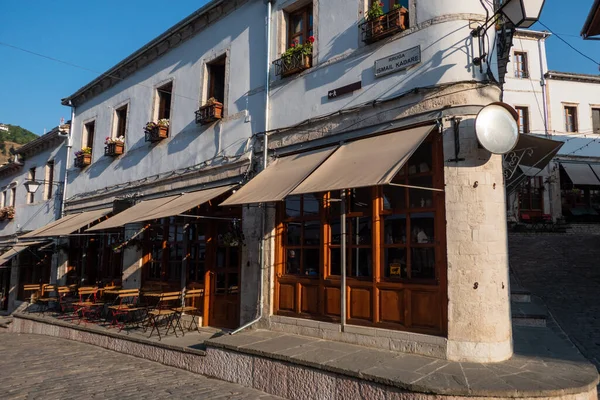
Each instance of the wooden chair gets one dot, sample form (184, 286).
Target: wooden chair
(65, 300)
(126, 306)
(192, 306)
(164, 313)
(35, 294)
(88, 308)
(48, 295)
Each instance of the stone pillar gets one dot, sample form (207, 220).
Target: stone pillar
(60, 263)
(14, 285)
(479, 319)
(132, 259)
(250, 264)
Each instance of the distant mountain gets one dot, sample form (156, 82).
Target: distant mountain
(12, 136)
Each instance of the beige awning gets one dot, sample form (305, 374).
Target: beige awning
(16, 249)
(580, 174)
(133, 213)
(69, 224)
(39, 231)
(280, 178)
(184, 203)
(538, 152)
(366, 162)
(596, 169)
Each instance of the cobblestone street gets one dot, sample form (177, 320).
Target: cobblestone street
(564, 270)
(41, 367)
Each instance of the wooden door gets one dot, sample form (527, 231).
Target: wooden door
(224, 270)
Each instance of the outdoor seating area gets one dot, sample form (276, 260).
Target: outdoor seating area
(152, 311)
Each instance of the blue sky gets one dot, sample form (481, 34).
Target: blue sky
(97, 34)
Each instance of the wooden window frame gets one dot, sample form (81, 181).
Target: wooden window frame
(526, 194)
(595, 124)
(164, 102)
(217, 62)
(121, 119)
(571, 111)
(521, 65)
(49, 179)
(523, 112)
(87, 139)
(31, 177)
(421, 303)
(305, 12)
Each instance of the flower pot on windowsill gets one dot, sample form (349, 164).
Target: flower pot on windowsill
(157, 134)
(114, 149)
(209, 113)
(296, 64)
(83, 160)
(386, 25)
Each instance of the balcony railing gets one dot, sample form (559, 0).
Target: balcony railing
(114, 149)
(157, 134)
(388, 24)
(83, 160)
(209, 113)
(293, 64)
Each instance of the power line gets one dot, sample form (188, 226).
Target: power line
(85, 68)
(570, 45)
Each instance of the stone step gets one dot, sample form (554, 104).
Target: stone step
(519, 294)
(531, 314)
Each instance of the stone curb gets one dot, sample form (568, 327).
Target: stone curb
(410, 387)
(110, 334)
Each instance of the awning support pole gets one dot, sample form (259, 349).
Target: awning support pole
(416, 187)
(343, 260)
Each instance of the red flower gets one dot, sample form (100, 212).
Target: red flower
(293, 45)
(380, 4)
(311, 39)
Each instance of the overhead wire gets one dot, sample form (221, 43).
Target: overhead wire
(570, 45)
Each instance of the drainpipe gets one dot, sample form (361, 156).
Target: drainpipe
(545, 104)
(263, 216)
(343, 260)
(69, 146)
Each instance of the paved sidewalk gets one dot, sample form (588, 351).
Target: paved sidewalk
(42, 367)
(564, 270)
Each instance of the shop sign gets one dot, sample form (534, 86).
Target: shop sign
(398, 62)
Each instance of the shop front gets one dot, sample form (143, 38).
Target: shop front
(580, 191)
(360, 232)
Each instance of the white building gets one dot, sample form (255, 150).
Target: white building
(378, 114)
(564, 107)
(41, 161)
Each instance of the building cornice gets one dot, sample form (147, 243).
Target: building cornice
(530, 34)
(44, 142)
(173, 37)
(591, 27)
(570, 76)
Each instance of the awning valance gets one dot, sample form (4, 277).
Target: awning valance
(16, 249)
(533, 171)
(161, 208)
(68, 224)
(280, 178)
(185, 202)
(133, 213)
(580, 174)
(366, 162)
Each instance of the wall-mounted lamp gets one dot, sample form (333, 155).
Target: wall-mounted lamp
(33, 186)
(521, 13)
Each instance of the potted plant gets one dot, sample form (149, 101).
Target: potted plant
(296, 58)
(10, 212)
(3, 213)
(83, 157)
(209, 112)
(379, 24)
(157, 131)
(114, 147)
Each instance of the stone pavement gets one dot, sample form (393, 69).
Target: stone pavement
(545, 364)
(564, 271)
(42, 367)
